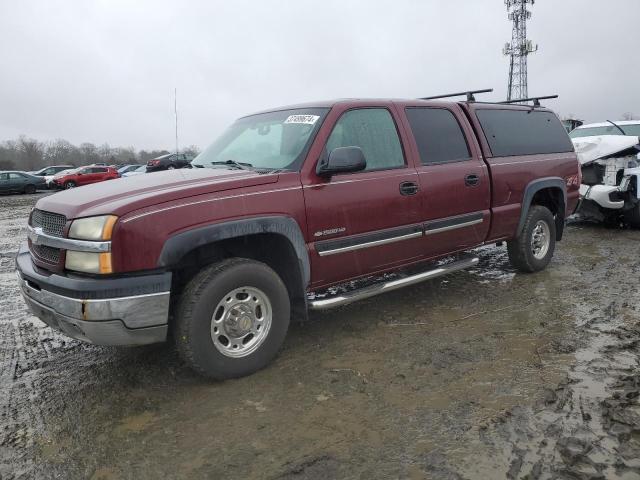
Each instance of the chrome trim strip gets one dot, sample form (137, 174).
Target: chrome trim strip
(370, 244)
(374, 290)
(38, 237)
(453, 227)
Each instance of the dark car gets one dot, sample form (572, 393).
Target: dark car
(169, 161)
(85, 176)
(20, 182)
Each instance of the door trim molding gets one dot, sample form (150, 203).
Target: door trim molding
(384, 237)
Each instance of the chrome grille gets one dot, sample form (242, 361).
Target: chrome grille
(51, 223)
(46, 254)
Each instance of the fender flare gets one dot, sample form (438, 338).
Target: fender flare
(177, 246)
(531, 189)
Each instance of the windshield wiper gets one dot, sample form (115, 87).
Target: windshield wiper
(233, 163)
(617, 126)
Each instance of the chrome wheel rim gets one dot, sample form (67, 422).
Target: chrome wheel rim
(540, 239)
(241, 322)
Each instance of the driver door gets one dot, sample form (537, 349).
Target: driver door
(364, 222)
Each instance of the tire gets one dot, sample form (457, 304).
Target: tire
(171, 167)
(522, 250)
(203, 320)
(70, 184)
(30, 189)
(632, 217)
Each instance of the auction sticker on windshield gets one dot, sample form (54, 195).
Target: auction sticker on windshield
(305, 119)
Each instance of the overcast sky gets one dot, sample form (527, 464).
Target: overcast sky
(104, 71)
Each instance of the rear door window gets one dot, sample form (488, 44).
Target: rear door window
(438, 135)
(374, 131)
(523, 132)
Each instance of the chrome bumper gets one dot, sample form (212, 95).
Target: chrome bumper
(127, 320)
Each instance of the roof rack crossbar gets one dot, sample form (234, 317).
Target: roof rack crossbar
(470, 95)
(535, 100)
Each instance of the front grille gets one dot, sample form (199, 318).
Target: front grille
(46, 254)
(51, 223)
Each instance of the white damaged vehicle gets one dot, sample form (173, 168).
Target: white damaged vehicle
(610, 164)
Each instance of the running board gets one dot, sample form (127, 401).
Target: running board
(373, 290)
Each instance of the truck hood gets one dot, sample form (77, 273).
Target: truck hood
(590, 149)
(124, 195)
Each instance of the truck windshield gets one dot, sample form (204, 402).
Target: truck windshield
(274, 140)
(631, 129)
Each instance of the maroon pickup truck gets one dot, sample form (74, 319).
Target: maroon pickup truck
(287, 203)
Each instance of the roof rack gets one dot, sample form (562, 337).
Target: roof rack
(536, 100)
(469, 94)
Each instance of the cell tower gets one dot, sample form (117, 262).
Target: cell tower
(519, 48)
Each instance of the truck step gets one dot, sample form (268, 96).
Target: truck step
(388, 286)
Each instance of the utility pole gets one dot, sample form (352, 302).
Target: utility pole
(175, 110)
(519, 48)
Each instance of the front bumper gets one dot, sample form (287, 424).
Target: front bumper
(110, 311)
(600, 195)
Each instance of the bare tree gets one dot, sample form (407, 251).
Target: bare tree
(31, 153)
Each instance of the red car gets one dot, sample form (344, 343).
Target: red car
(85, 176)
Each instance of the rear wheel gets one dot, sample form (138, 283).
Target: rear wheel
(232, 318)
(171, 167)
(30, 189)
(533, 249)
(70, 184)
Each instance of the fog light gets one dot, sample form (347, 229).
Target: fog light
(88, 262)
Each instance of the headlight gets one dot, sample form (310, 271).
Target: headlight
(88, 262)
(93, 228)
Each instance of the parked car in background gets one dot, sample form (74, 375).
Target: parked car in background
(128, 168)
(623, 127)
(137, 171)
(169, 161)
(20, 182)
(85, 176)
(50, 170)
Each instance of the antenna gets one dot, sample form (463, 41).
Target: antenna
(175, 110)
(519, 48)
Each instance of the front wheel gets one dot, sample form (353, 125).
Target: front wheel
(232, 318)
(533, 249)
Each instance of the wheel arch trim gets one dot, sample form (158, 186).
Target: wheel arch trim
(179, 245)
(534, 187)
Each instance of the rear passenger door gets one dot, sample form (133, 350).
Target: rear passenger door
(364, 222)
(454, 180)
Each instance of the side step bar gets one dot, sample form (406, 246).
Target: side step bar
(373, 290)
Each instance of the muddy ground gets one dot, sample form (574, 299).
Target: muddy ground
(482, 374)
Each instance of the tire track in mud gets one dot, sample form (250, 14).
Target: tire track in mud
(587, 427)
(21, 344)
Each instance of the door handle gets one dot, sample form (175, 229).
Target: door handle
(408, 188)
(471, 180)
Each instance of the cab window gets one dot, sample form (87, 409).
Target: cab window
(374, 131)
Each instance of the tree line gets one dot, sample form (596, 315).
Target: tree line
(29, 154)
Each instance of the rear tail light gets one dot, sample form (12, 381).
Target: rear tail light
(153, 163)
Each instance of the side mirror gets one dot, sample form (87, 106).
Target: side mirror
(343, 160)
